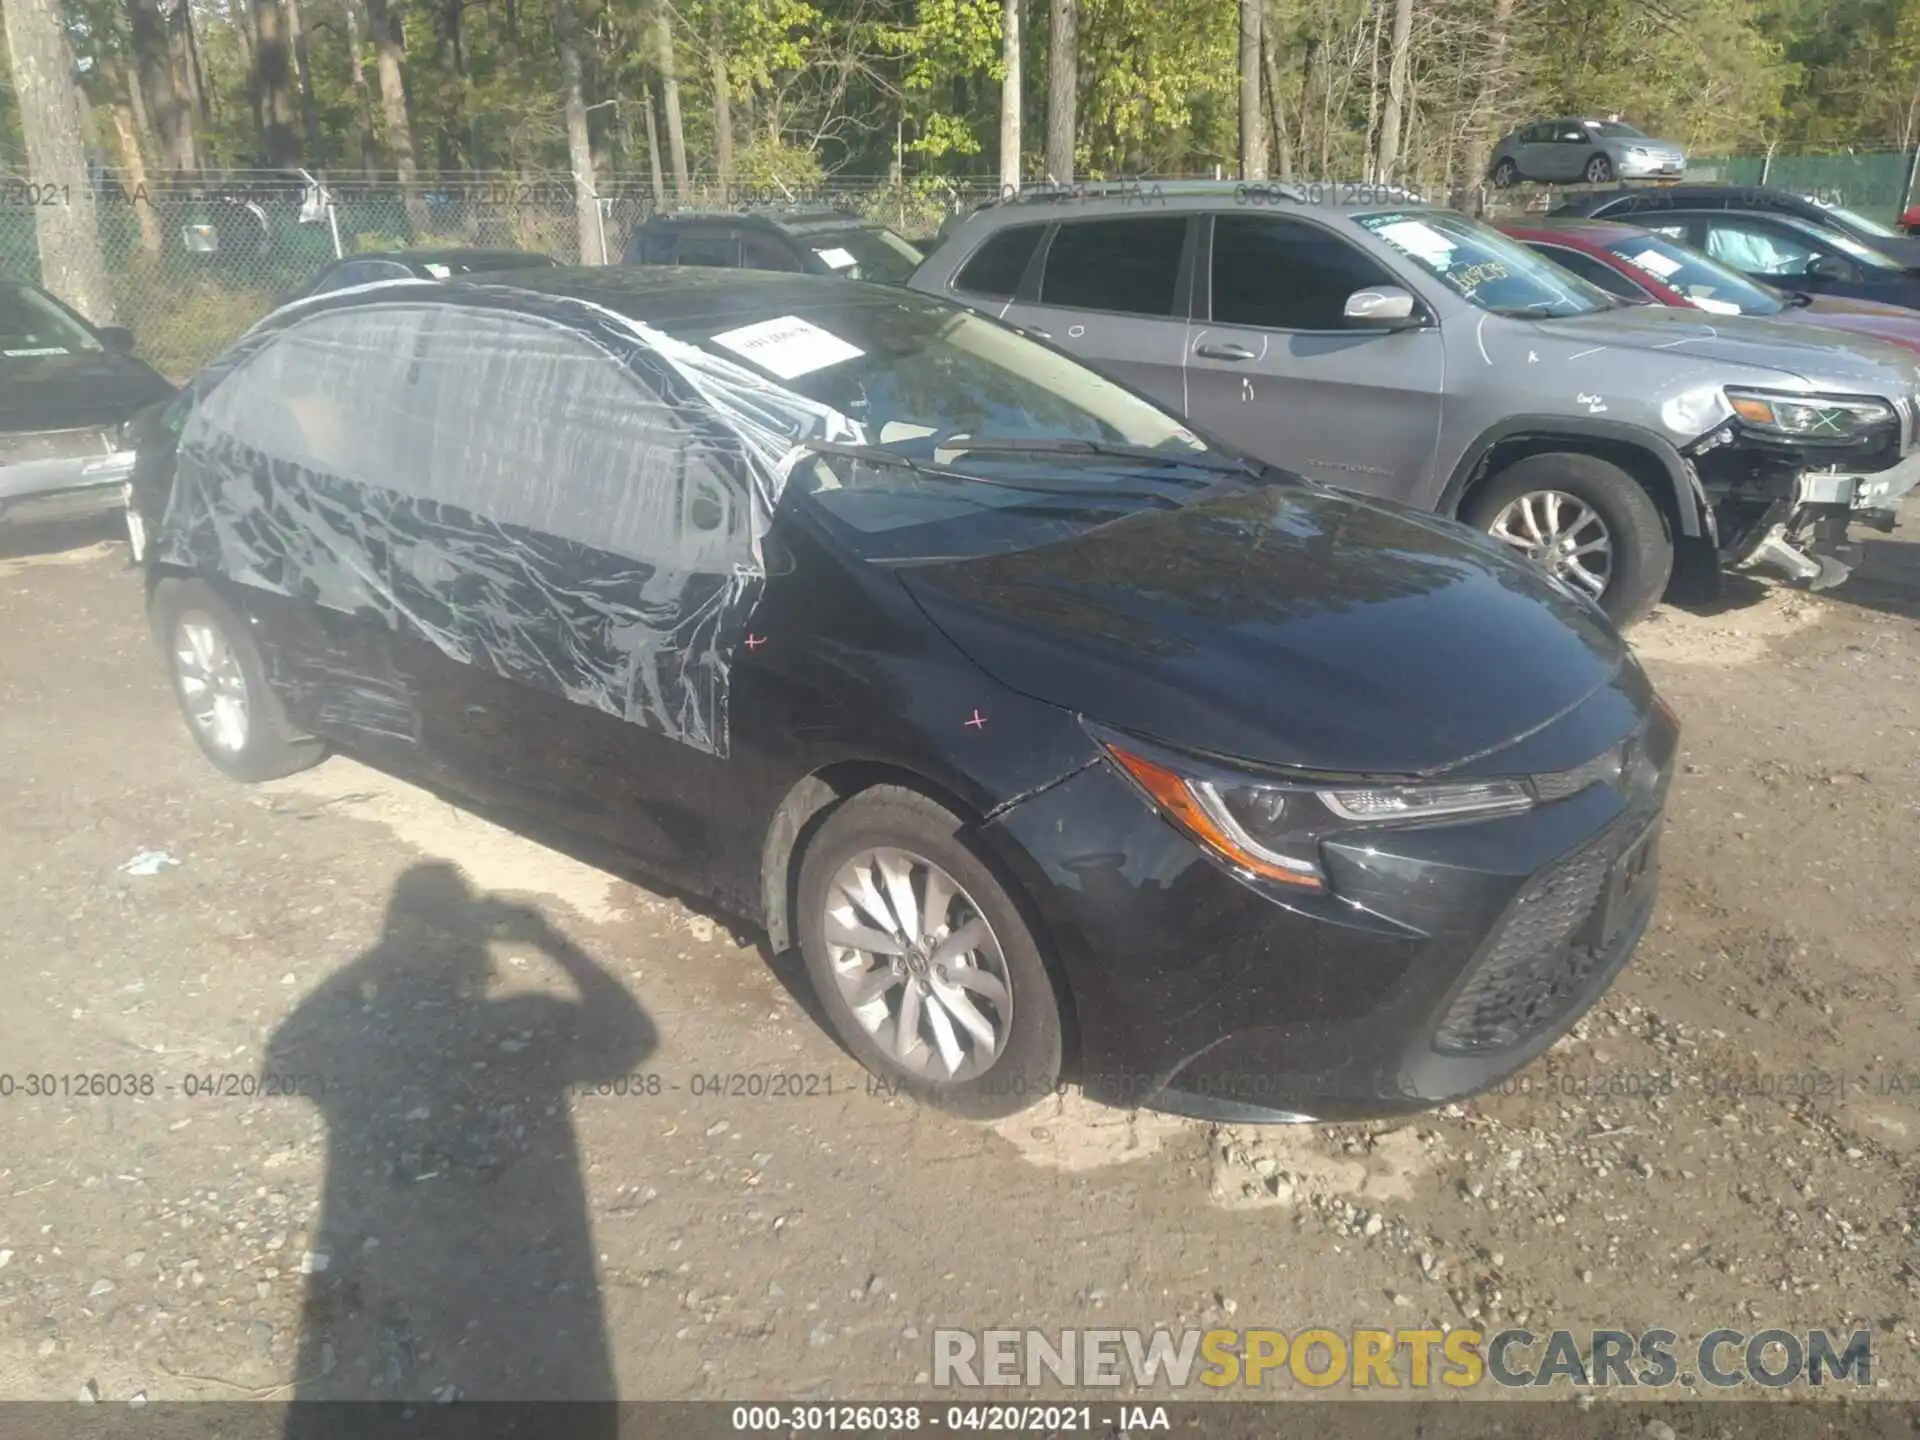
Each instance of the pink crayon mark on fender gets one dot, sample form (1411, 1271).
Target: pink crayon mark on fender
(978, 722)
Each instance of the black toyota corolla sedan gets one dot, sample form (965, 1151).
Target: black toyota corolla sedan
(1057, 738)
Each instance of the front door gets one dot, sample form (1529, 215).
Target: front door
(1273, 369)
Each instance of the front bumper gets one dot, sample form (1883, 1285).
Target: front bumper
(1444, 958)
(64, 488)
(1880, 490)
(1631, 167)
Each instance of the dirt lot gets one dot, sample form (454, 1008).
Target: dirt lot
(1731, 1139)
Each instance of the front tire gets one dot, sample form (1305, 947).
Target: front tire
(1585, 520)
(220, 680)
(1599, 170)
(923, 962)
(1506, 174)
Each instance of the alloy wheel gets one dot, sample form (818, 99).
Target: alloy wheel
(918, 965)
(1560, 533)
(212, 683)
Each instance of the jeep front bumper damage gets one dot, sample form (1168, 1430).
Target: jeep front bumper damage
(1806, 536)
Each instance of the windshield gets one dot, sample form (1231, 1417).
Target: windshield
(1484, 267)
(860, 253)
(1866, 255)
(1855, 219)
(954, 435)
(32, 324)
(1705, 281)
(1617, 128)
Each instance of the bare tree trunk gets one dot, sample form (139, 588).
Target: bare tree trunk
(1391, 120)
(1253, 128)
(164, 100)
(1473, 163)
(309, 116)
(122, 88)
(722, 107)
(1282, 139)
(393, 105)
(1370, 149)
(273, 60)
(1063, 87)
(200, 94)
(49, 108)
(653, 151)
(1010, 97)
(586, 202)
(670, 95)
(362, 101)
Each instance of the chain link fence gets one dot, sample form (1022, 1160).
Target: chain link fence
(194, 262)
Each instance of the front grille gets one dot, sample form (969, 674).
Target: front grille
(54, 445)
(1544, 952)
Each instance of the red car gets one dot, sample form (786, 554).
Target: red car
(1645, 267)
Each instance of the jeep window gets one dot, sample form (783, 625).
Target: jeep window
(1615, 130)
(1594, 272)
(1130, 266)
(1275, 274)
(1703, 280)
(997, 266)
(862, 252)
(720, 250)
(764, 252)
(1484, 267)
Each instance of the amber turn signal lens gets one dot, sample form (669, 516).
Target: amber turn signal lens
(1171, 793)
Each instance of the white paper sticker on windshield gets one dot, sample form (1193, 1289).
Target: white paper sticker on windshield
(839, 259)
(1418, 239)
(1654, 263)
(788, 346)
(438, 272)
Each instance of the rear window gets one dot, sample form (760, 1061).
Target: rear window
(864, 253)
(997, 266)
(1130, 266)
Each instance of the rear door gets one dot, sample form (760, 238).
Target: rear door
(1114, 292)
(1534, 151)
(1273, 368)
(1565, 155)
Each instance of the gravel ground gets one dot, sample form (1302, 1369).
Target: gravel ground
(1728, 1140)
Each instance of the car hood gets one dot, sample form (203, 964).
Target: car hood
(66, 392)
(1286, 625)
(1858, 366)
(1890, 323)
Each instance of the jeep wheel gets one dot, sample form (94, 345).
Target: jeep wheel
(1587, 522)
(1506, 174)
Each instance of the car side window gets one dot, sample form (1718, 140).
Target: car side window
(996, 268)
(1270, 273)
(527, 423)
(1594, 272)
(1757, 247)
(328, 395)
(657, 247)
(1129, 266)
(764, 252)
(710, 249)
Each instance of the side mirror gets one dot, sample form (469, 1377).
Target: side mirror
(117, 338)
(1831, 267)
(1383, 307)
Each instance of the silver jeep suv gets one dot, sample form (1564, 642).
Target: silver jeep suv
(1373, 343)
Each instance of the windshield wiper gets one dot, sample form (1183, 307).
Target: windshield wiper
(881, 455)
(1052, 445)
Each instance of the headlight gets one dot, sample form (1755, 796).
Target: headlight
(1273, 829)
(1809, 417)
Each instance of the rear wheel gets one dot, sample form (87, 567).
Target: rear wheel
(220, 681)
(922, 960)
(1586, 521)
(1506, 174)
(1599, 170)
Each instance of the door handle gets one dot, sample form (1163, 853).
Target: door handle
(1043, 334)
(1225, 352)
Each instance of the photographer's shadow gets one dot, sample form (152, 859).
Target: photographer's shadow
(453, 1256)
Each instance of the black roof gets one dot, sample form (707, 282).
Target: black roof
(663, 296)
(774, 217)
(1667, 197)
(469, 258)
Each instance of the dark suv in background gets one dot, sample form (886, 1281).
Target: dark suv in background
(806, 241)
